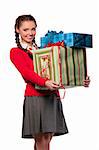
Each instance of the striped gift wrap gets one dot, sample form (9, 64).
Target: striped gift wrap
(65, 65)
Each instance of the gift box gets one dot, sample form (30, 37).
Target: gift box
(78, 40)
(70, 39)
(48, 38)
(64, 65)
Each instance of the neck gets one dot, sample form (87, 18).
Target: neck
(28, 44)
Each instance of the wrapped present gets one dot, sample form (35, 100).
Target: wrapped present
(59, 37)
(43, 41)
(70, 39)
(78, 40)
(48, 38)
(64, 65)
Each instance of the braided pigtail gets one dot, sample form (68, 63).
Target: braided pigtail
(34, 43)
(18, 41)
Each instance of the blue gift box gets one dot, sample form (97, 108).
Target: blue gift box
(58, 37)
(78, 40)
(70, 39)
(48, 38)
(43, 41)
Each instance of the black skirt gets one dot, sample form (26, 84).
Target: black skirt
(43, 114)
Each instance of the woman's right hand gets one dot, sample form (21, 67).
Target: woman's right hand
(51, 85)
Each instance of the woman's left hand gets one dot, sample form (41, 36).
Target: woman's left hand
(86, 82)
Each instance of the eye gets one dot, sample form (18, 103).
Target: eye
(33, 29)
(25, 29)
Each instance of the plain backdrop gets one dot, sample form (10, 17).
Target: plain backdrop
(80, 104)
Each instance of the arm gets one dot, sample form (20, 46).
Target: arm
(18, 60)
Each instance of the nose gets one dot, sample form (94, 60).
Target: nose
(32, 32)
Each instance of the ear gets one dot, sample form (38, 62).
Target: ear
(17, 30)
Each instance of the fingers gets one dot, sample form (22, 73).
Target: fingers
(54, 86)
(55, 83)
(86, 82)
(51, 85)
(87, 78)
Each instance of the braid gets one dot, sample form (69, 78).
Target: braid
(34, 42)
(19, 45)
(18, 41)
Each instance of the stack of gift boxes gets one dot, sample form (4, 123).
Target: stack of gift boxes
(62, 58)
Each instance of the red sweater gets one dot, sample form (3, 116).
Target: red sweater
(24, 64)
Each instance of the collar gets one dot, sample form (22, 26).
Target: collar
(26, 46)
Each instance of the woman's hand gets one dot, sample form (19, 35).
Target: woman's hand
(86, 82)
(51, 85)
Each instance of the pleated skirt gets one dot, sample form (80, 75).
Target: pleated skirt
(43, 114)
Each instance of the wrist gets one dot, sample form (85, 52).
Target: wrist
(46, 79)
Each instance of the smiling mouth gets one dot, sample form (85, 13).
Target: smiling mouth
(30, 38)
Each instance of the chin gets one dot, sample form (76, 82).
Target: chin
(29, 41)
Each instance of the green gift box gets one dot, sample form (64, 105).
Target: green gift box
(64, 65)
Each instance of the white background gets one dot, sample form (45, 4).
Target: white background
(80, 104)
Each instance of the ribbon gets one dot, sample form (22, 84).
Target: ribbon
(56, 44)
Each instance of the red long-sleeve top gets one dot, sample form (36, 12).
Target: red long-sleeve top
(24, 65)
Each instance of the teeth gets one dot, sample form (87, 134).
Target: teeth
(30, 38)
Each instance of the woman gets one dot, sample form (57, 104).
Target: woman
(43, 115)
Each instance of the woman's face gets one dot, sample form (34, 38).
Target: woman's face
(27, 31)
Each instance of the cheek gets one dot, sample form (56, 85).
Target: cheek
(22, 34)
(34, 33)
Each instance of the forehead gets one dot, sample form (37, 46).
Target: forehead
(27, 24)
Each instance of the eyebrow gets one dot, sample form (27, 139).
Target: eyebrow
(28, 28)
